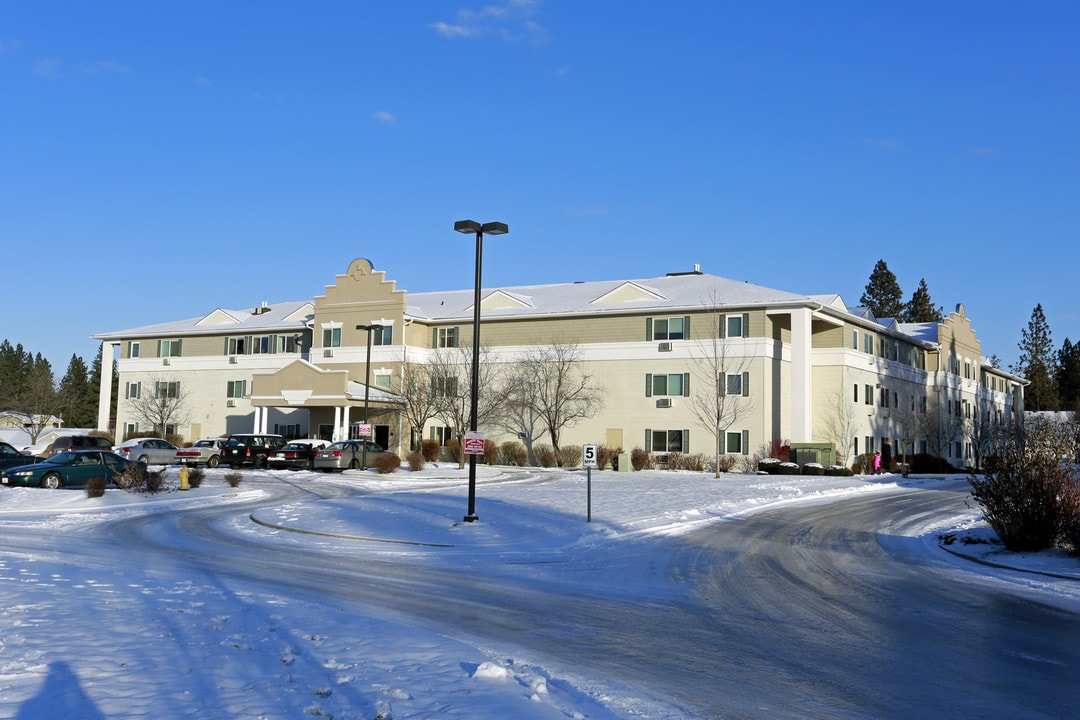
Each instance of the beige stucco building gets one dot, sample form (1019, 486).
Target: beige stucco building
(808, 369)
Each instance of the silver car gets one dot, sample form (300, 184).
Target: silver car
(148, 451)
(347, 454)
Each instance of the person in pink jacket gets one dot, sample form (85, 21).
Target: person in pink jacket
(877, 463)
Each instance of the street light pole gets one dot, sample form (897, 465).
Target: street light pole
(367, 388)
(491, 228)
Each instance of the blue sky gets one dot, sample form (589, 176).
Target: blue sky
(162, 159)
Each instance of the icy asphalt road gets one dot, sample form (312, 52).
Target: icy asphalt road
(813, 610)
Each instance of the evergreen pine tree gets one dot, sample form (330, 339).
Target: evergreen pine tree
(920, 308)
(1037, 363)
(1068, 376)
(78, 400)
(883, 296)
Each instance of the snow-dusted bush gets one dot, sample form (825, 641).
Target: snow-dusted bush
(95, 487)
(839, 471)
(769, 465)
(570, 456)
(813, 469)
(788, 468)
(386, 462)
(640, 459)
(697, 462)
(233, 478)
(416, 460)
(545, 456)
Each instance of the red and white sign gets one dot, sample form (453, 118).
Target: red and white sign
(363, 430)
(474, 442)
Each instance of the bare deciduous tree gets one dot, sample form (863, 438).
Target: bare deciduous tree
(161, 402)
(720, 397)
(419, 401)
(450, 383)
(841, 423)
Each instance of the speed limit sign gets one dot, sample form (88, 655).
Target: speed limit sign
(588, 456)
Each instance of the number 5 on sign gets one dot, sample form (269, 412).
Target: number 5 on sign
(588, 456)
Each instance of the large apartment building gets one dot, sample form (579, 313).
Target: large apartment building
(807, 369)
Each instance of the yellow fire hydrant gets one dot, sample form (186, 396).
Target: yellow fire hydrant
(183, 478)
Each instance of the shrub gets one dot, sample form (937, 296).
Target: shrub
(674, 460)
(604, 455)
(640, 459)
(769, 465)
(813, 469)
(155, 481)
(725, 463)
(233, 478)
(839, 470)
(570, 456)
(695, 462)
(750, 463)
(491, 452)
(131, 478)
(779, 449)
(195, 477)
(513, 452)
(416, 460)
(430, 449)
(788, 468)
(386, 462)
(923, 463)
(1028, 496)
(457, 450)
(95, 487)
(545, 456)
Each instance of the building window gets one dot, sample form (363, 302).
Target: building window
(665, 441)
(132, 390)
(734, 326)
(134, 349)
(238, 345)
(169, 348)
(442, 434)
(331, 336)
(884, 397)
(854, 339)
(737, 384)
(855, 388)
(383, 335)
(735, 443)
(288, 431)
(676, 328)
(445, 338)
(169, 390)
(130, 428)
(868, 394)
(444, 386)
(382, 380)
(675, 384)
(236, 389)
(868, 343)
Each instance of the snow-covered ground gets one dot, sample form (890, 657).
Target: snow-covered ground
(87, 640)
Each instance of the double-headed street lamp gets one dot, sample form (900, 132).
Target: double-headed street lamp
(491, 228)
(367, 387)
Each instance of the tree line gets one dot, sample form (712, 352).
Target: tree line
(28, 386)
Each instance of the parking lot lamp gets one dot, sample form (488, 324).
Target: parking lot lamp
(367, 389)
(491, 228)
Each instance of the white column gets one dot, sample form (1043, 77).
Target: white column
(345, 423)
(105, 389)
(337, 423)
(801, 385)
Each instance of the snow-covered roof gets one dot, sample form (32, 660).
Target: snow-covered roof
(269, 317)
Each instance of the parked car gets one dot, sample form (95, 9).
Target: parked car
(67, 443)
(249, 449)
(202, 452)
(148, 451)
(347, 454)
(75, 467)
(296, 454)
(10, 457)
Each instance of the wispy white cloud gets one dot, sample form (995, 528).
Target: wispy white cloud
(10, 45)
(511, 20)
(204, 81)
(103, 66)
(385, 117)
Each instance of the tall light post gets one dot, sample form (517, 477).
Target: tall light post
(367, 388)
(491, 228)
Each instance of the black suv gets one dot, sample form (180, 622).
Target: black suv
(77, 442)
(249, 449)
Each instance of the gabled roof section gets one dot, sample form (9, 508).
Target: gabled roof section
(833, 301)
(501, 299)
(303, 313)
(628, 292)
(218, 317)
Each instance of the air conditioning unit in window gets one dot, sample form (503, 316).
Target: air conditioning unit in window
(230, 403)
(165, 361)
(328, 352)
(664, 347)
(232, 359)
(663, 402)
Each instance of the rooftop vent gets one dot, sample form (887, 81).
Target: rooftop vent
(695, 271)
(262, 309)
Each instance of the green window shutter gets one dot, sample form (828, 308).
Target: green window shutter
(434, 344)
(388, 335)
(686, 384)
(745, 442)
(648, 329)
(723, 385)
(648, 441)
(746, 324)
(685, 441)
(686, 327)
(723, 326)
(648, 384)
(746, 384)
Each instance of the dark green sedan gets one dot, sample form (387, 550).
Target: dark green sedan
(10, 457)
(68, 468)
